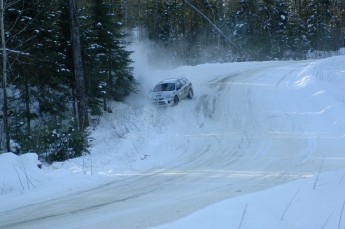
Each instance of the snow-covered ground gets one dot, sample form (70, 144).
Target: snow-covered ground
(261, 145)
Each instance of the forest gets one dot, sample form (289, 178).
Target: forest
(63, 62)
(197, 31)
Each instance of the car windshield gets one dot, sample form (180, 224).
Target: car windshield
(164, 87)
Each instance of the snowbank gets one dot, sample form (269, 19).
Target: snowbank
(316, 202)
(19, 173)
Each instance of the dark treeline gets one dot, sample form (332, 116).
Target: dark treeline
(41, 84)
(226, 30)
(40, 95)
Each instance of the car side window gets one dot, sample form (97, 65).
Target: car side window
(183, 82)
(178, 85)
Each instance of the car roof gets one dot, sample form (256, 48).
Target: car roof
(172, 80)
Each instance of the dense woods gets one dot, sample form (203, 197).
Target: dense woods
(64, 61)
(195, 31)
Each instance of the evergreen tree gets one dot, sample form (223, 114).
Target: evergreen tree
(108, 75)
(297, 42)
(275, 16)
(39, 75)
(317, 15)
(35, 75)
(248, 30)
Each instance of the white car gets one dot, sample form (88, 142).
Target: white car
(170, 91)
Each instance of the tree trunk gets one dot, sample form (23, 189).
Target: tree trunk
(78, 67)
(27, 107)
(6, 136)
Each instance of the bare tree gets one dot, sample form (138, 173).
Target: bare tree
(5, 136)
(78, 67)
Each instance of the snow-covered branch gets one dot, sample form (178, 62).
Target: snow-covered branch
(16, 52)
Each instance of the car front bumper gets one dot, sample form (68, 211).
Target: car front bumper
(163, 102)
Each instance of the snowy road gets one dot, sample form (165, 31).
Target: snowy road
(248, 128)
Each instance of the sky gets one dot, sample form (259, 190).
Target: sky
(261, 145)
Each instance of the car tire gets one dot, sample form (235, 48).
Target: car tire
(190, 94)
(176, 100)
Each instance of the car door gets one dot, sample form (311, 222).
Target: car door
(184, 88)
(179, 89)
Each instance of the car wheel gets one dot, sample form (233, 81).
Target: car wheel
(176, 100)
(190, 94)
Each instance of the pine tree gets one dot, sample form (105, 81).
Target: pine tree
(275, 19)
(318, 17)
(297, 42)
(41, 88)
(249, 31)
(108, 75)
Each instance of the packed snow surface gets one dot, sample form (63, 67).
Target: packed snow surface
(261, 145)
